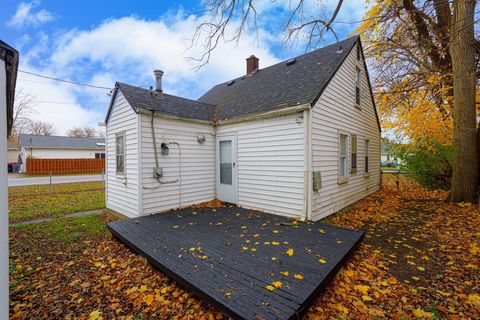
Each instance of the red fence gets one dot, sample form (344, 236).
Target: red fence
(64, 166)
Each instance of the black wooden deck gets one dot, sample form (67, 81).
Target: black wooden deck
(230, 257)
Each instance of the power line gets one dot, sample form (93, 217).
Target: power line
(66, 81)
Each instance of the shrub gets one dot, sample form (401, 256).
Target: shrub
(430, 161)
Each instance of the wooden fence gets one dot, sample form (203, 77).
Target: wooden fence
(64, 166)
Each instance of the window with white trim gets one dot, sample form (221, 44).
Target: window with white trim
(367, 156)
(342, 156)
(358, 84)
(120, 153)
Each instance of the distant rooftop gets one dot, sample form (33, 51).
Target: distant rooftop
(61, 142)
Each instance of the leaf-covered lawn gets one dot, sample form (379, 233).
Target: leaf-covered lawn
(55, 205)
(420, 259)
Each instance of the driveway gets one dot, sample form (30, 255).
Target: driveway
(13, 181)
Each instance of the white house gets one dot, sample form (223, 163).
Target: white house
(59, 147)
(300, 138)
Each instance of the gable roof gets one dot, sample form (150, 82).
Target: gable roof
(280, 86)
(276, 87)
(60, 142)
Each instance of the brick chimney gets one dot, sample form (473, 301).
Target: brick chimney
(252, 64)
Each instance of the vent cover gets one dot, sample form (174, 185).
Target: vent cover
(291, 61)
(229, 83)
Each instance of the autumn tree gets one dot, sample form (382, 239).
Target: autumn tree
(417, 84)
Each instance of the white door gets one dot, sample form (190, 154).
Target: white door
(226, 169)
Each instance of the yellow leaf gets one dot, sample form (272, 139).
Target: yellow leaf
(164, 290)
(273, 258)
(285, 273)
(363, 289)
(289, 252)
(275, 231)
(421, 268)
(142, 289)
(443, 293)
(366, 298)
(349, 273)
(270, 288)
(228, 294)
(474, 249)
(148, 299)
(298, 276)
(321, 230)
(277, 284)
(474, 299)
(422, 314)
(322, 261)
(95, 315)
(275, 243)
(253, 249)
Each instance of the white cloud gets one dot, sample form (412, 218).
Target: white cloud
(27, 16)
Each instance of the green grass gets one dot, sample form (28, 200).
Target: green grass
(24, 191)
(66, 230)
(52, 206)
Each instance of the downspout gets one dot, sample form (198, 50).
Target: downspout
(307, 191)
(310, 165)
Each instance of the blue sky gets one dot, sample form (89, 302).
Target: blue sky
(100, 42)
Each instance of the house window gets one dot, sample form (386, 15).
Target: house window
(342, 157)
(367, 156)
(358, 83)
(99, 155)
(120, 153)
(354, 154)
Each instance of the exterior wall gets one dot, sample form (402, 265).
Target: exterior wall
(197, 183)
(12, 156)
(335, 110)
(62, 153)
(270, 164)
(122, 191)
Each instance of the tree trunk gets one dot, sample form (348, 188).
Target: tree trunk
(462, 50)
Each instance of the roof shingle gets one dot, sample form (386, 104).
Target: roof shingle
(275, 87)
(38, 141)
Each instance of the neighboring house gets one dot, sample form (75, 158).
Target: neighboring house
(13, 151)
(387, 158)
(300, 138)
(58, 147)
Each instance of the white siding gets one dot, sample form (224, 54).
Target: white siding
(122, 191)
(12, 155)
(197, 164)
(270, 164)
(334, 111)
(42, 153)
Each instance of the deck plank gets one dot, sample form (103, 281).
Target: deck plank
(227, 263)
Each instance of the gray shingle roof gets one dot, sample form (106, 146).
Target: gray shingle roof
(58, 142)
(165, 103)
(280, 86)
(275, 87)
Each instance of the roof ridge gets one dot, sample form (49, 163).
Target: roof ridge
(57, 136)
(296, 57)
(167, 94)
